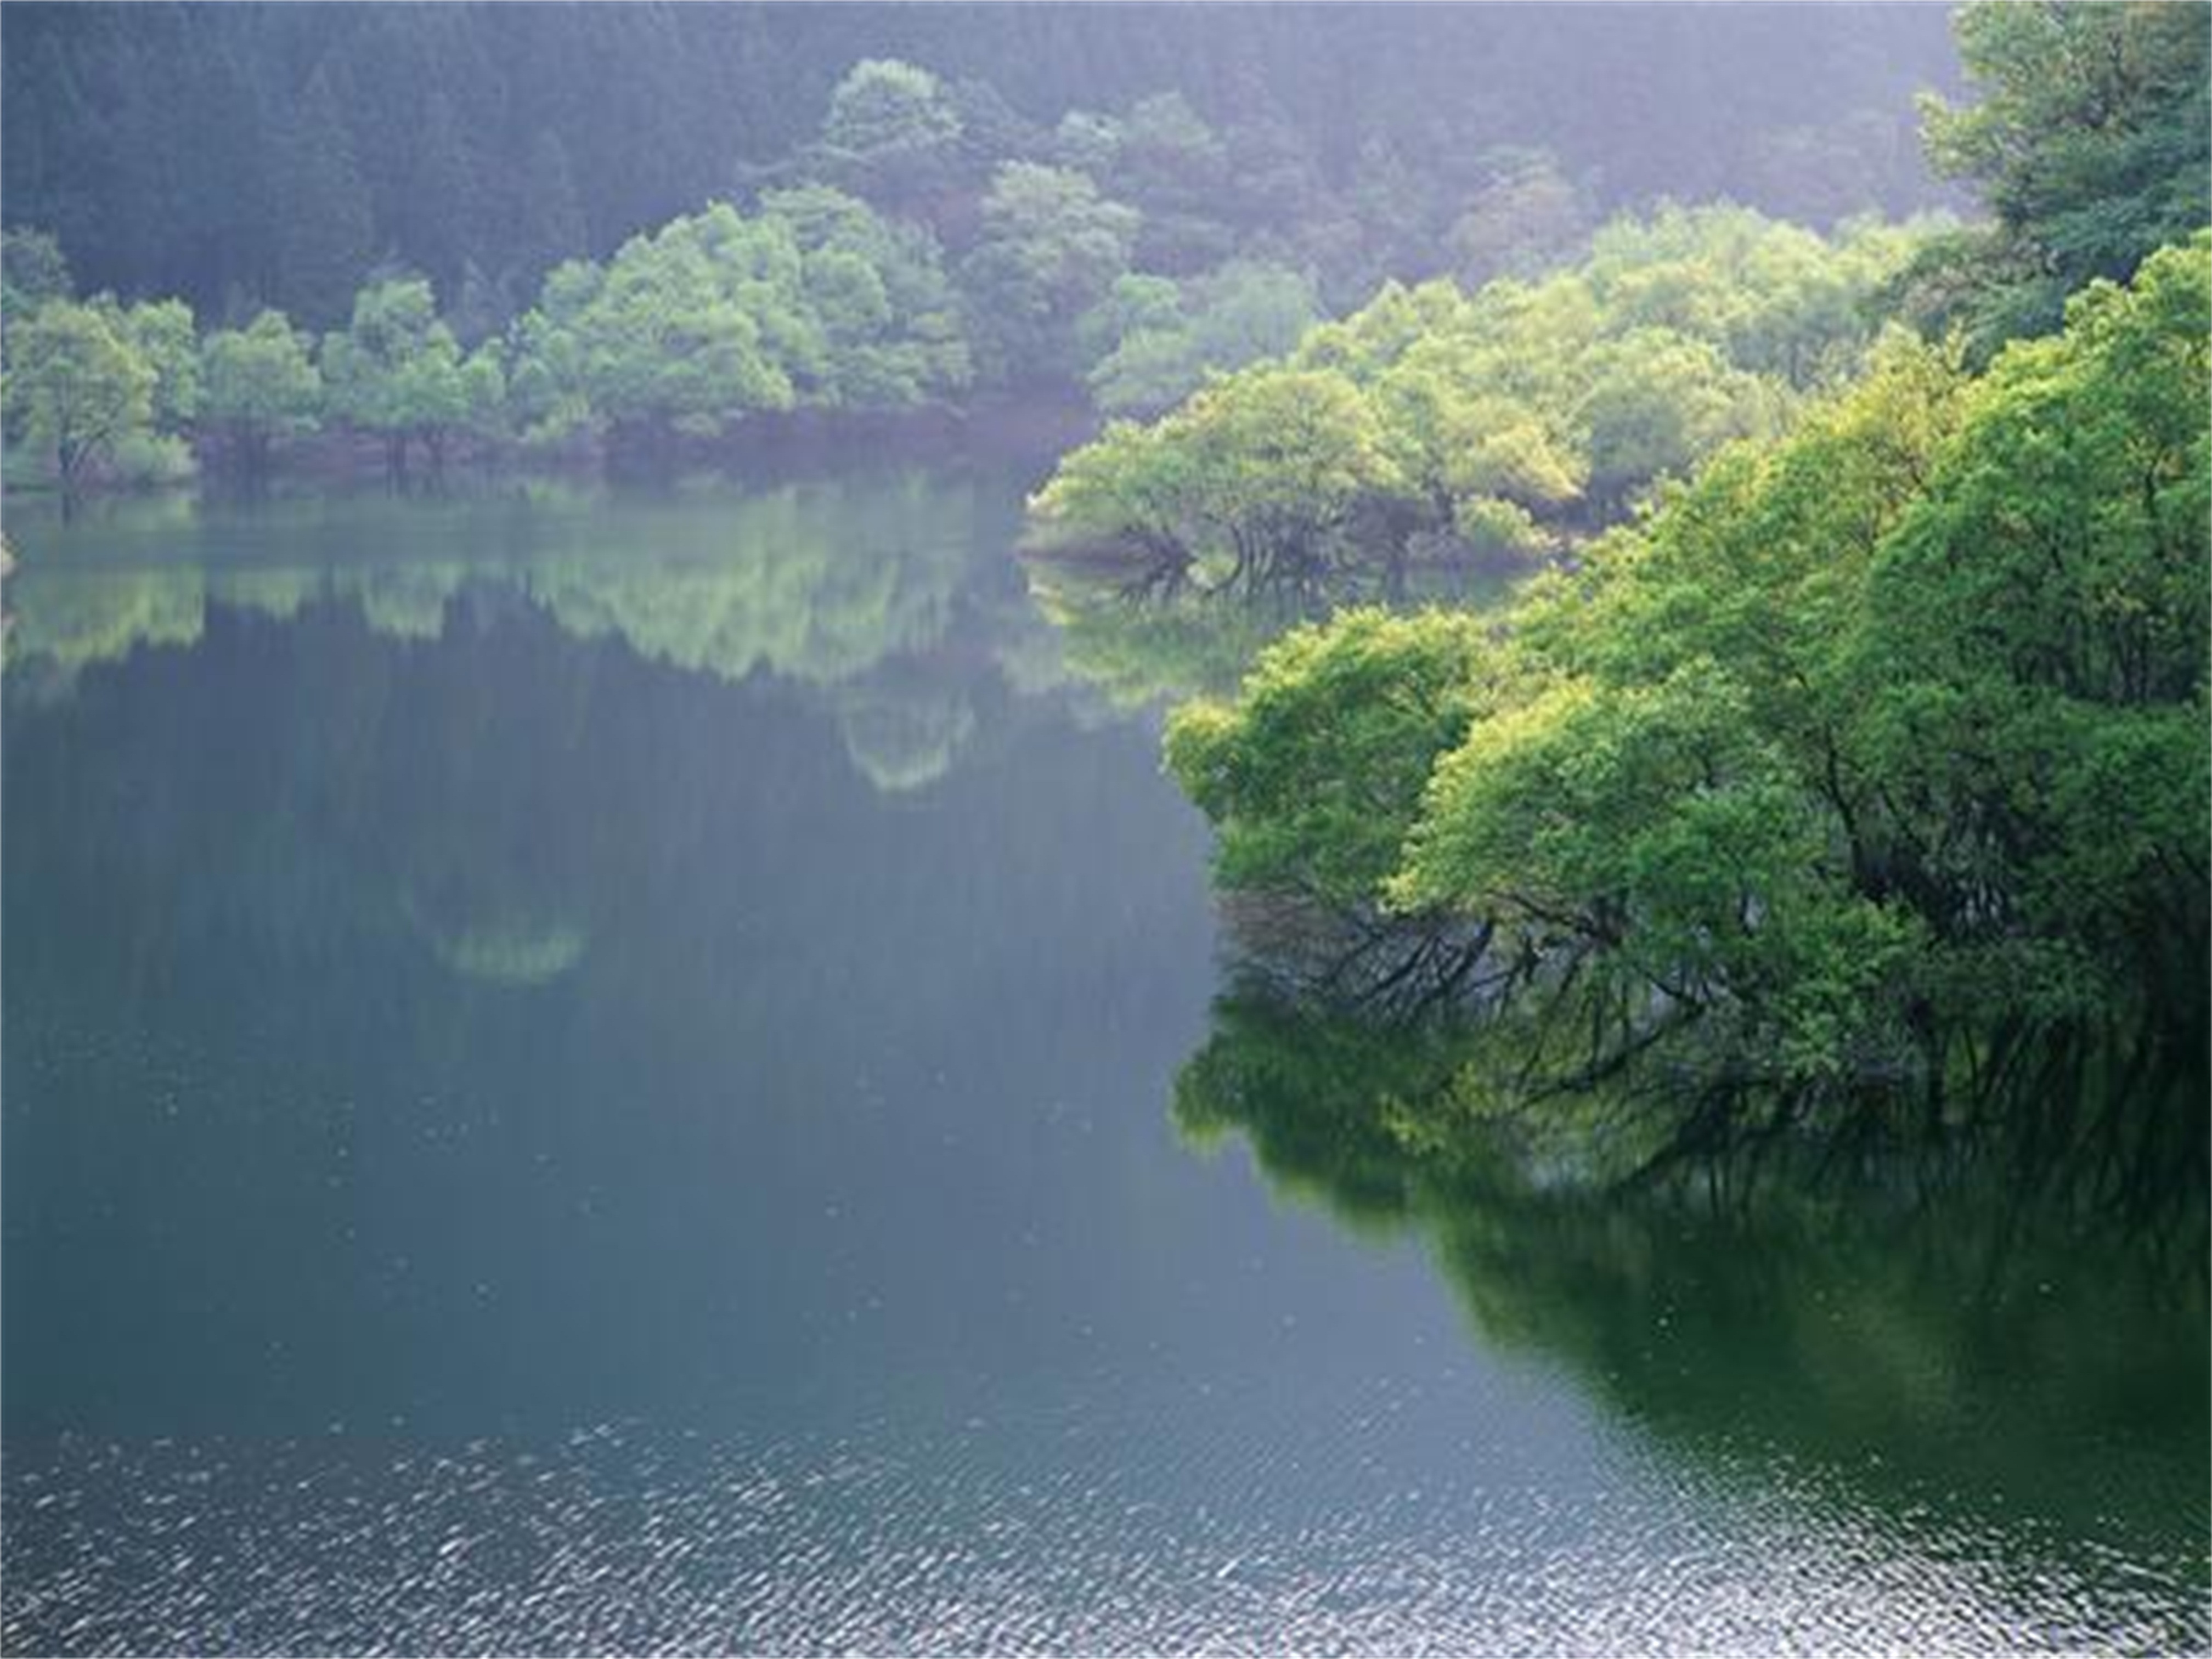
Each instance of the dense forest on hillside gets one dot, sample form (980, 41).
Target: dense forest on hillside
(228, 154)
(1022, 204)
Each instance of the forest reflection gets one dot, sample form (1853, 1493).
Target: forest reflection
(843, 586)
(479, 681)
(2013, 1316)
(1141, 647)
(812, 581)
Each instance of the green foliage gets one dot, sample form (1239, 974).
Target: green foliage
(891, 130)
(2032, 651)
(818, 300)
(397, 371)
(1652, 837)
(697, 325)
(1157, 340)
(1477, 425)
(77, 385)
(1313, 776)
(2090, 142)
(1891, 730)
(1051, 247)
(142, 459)
(258, 384)
(163, 334)
(1259, 480)
(890, 318)
(32, 271)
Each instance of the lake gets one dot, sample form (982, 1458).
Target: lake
(593, 1069)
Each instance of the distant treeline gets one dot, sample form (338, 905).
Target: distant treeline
(245, 156)
(920, 244)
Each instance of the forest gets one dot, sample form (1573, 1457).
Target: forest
(1020, 207)
(1850, 738)
(1299, 827)
(1757, 775)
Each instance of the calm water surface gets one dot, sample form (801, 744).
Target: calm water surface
(593, 1071)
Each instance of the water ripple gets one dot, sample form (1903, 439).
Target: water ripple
(1051, 1535)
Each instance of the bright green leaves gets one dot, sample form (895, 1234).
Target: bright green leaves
(165, 339)
(818, 300)
(1256, 481)
(2033, 645)
(76, 384)
(1651, 836)
(397, 371)
(1313, 776)
(259, 383)
(1500, 418)
(1869, 735)
(891, 331)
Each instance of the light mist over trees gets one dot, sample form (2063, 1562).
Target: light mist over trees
(248, 156)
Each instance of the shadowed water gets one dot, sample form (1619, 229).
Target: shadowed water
(592, 1071)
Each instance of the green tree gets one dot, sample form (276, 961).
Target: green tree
(547, 395)
(1260, 482)
(1878, 751)
(1051, 247)
(396, 371)
(258, 384)
(694, 327)
(32, 270)
(165, 336)
(2032, 663)
(891, 321)
(77, 385)
(2091, 142)
(1510, 420)
(1156, 342)
(1313, 776)
(892, 132)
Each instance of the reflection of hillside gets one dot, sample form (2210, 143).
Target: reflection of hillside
(59, 626)
(509, 949)
(1139, 651)
(901, 732)
(2015, 1339)
(812, 584)
(821, 584)
(1142, 648)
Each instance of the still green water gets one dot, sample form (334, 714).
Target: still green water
(593, 1071)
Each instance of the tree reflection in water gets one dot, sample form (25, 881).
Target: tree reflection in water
(1984, 1317)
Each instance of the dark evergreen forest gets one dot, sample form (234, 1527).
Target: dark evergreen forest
(244, 155)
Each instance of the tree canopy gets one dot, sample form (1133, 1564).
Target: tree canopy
(1880, 745)
(2091, 143)
(1433, 422)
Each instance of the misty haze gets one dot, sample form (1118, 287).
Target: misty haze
(1120, 829)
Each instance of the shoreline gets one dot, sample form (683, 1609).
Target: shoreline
(1044, 427)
